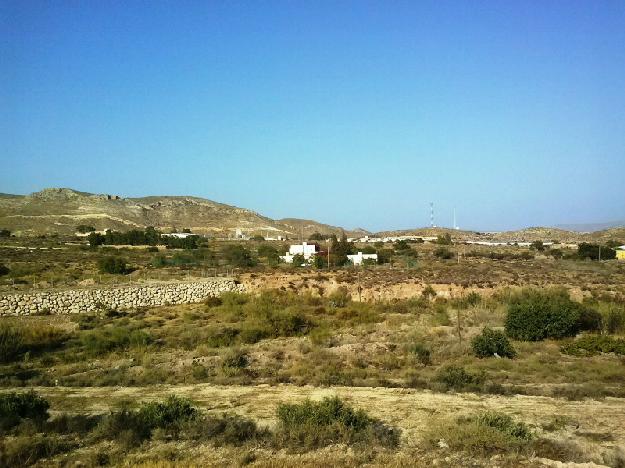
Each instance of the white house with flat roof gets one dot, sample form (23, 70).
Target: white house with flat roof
(358, 258)
(305, 249)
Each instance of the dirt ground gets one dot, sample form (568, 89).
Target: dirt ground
(596, 425)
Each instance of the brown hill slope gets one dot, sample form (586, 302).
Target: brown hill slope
(60, 210)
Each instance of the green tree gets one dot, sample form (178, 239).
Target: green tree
(320, 261)
(95, 239)
(317, 236)
(594, 251)
(113, 265)
(238, 256)
(269, 253)
(537, 245)
(340, 250)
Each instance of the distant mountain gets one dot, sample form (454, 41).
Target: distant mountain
(308, 227)
(530, 234)
(591, 227)
(60, 210)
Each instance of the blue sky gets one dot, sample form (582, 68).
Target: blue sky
(352, 113)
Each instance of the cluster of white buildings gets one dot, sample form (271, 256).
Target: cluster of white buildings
(307, 251)
(179, 235)
(367, 239)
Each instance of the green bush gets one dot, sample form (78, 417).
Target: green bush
(591, 345)
(443, 253)
(316, 424)
(113, 265)
(340, 298)
(218, 337)
(444, 239)
(4, 270)
(224, 429)
(535, 315)
(491, 342)
(159, 261)
(457, 378)
(131, 427)
(14, 407)
(589, 320)
(172, 411)
(299, 260)
(422, 354)
(504, 423)
(213, 301)
(235, 359)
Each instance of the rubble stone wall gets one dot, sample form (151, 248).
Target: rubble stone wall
(76, 301)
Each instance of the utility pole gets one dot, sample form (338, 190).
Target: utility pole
(599, 252)
(329, 241)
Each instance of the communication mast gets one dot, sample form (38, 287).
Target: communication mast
(431, 214)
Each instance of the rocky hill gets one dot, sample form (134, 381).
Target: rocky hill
(60, 210)
(530, 234)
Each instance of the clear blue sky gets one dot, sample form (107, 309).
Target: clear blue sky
(352, 113)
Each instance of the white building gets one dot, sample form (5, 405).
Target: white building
(305, 249)
(359, 257)
(179, 235)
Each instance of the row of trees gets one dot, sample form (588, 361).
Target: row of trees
(149, 236)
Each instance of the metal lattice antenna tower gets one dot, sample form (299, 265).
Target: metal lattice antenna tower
(431, 214)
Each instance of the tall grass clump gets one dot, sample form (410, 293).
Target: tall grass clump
(311, 425)
(106, 339)
(481, 434)
(19, 338)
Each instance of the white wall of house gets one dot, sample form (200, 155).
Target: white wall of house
(359, 257)
(305, 249)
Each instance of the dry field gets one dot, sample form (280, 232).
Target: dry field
(396, 343)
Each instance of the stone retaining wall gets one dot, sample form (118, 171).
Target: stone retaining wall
(76, 301)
